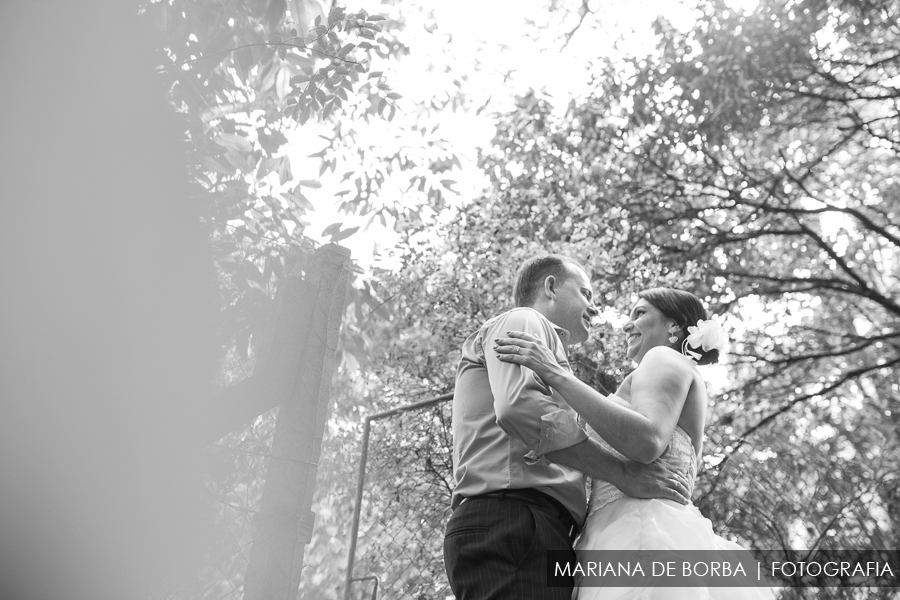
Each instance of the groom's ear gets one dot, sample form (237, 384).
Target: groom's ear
(550, 284)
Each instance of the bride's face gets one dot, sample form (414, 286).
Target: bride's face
(647, 328)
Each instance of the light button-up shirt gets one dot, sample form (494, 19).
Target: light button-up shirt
(505, 418)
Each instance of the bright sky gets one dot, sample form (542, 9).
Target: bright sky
(497, 46)
(493, 44)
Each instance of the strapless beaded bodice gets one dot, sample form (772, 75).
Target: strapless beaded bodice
(680, 457)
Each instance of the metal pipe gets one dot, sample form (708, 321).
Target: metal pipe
(360, 481)
(372, 578)
(413, 406)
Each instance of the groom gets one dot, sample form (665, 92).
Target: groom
(519, 453)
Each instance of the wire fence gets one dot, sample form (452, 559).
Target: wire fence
(403, 503)
(232, 487)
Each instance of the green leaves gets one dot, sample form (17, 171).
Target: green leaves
(336, 234)
(215, 166)
(737, 175)
(298, 199)
(323, 92)
(234, 141)
(272, 141)
(310, 183)
(239, 110)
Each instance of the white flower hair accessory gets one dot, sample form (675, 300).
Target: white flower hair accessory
(706, 335)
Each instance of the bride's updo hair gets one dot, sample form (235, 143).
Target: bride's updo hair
(685, 309)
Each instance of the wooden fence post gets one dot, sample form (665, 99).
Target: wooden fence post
(284, 522)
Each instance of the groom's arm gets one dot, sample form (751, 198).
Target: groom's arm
(654, 480)
(526, 408)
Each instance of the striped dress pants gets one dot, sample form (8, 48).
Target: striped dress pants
(496, 549)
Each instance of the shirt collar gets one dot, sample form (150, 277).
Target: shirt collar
(563, 336)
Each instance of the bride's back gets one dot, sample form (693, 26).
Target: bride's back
(693, 414)
(680, 456)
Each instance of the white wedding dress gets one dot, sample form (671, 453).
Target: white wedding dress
(617, 522)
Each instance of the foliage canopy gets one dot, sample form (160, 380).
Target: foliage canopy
(751, 159)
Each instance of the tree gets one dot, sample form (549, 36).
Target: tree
(246, 75)
(752, 160)
(759, 154)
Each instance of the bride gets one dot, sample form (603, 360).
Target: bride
(657, 414)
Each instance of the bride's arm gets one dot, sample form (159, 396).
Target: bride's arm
(659, 387)
(652, 480)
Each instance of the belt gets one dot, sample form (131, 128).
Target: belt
(538, 498)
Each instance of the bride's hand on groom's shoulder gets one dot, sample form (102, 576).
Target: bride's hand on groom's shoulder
(528, 351)
(655, 480)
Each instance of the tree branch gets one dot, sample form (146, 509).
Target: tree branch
(827, 249)
(583, 12)
(742, 439)
(855, 213)
(855, 373)
(816, 356)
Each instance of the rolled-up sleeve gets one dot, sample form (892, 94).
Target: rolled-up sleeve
(559, 429)
(525, 406)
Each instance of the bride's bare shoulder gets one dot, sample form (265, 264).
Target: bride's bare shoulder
(624, 389)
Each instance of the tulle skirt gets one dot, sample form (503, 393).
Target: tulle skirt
(638, 524)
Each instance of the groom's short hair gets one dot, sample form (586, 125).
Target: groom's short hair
(531, 275)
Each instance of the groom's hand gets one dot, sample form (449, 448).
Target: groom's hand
(654, 480)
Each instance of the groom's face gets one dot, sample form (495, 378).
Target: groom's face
(573, 306)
